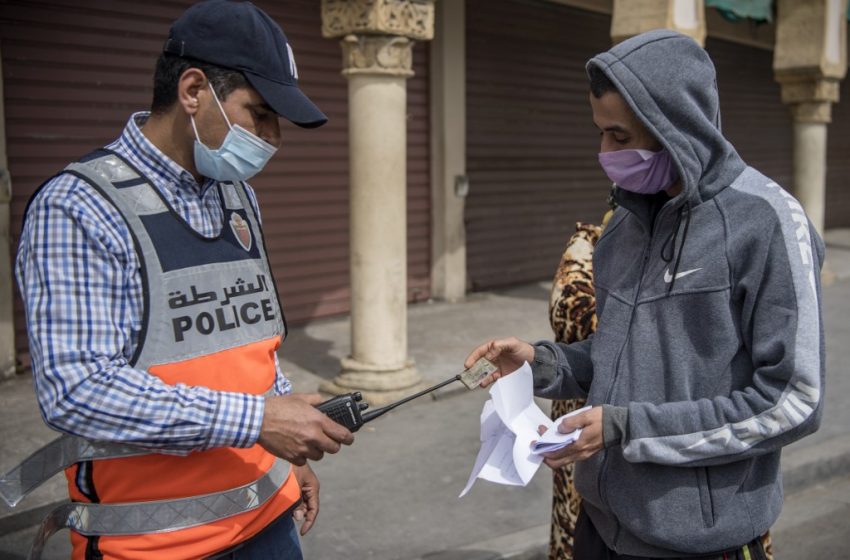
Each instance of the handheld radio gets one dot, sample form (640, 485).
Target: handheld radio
(348, 409)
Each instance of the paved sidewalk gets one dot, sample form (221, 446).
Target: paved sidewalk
(393, 494)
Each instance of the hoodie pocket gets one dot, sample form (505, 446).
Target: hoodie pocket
(705, 499)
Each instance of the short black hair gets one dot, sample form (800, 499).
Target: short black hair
(169, 68)
(600, 84)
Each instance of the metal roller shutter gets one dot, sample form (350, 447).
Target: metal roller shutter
(753, 117)
(531, 142)
(838, 163)
(760, 126)
(75, 70)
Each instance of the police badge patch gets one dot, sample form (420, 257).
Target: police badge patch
(241, 231)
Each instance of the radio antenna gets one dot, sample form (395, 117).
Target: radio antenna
(372, 414)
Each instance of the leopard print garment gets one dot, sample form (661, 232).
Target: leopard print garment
(572, 315)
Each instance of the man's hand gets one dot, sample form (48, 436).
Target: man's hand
(587, 444)
(507, 354)
(294, 430)
(309, 508)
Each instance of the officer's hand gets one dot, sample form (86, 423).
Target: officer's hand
(294, 430)
(309, 508)
(507, 354)
(588, 444)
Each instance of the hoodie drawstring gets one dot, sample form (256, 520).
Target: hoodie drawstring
(671, 242)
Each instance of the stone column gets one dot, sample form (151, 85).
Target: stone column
(633, 17)
(377, 54)
(809, 60)
(449, 182)
(7, 326)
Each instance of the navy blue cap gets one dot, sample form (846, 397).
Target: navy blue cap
(240, 36)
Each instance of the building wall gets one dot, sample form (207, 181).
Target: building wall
(531, 142)
(74, 70)
(760, 126)
(752, 115)
(838, 163)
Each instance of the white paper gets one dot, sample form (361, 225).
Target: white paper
(509, 423)
(496, 443)
(553, 440)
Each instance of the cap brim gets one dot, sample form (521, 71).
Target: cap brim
(288, 102)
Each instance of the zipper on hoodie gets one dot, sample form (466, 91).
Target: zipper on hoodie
(603, 470)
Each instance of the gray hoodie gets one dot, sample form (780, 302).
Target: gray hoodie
(709, 353)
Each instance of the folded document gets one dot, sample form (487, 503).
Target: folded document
(509, 424)
(553, 440)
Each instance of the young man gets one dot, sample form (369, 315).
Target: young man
(708, 357)
(154, 319)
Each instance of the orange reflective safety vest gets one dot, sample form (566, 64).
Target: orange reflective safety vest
(211, 318)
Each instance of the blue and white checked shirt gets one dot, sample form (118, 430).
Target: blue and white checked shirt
(81, 283)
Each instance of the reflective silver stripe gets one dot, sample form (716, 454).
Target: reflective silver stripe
(59, 454)
(160, 516)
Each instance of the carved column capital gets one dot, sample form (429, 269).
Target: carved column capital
(413, 19)
(812, 112)
(377, 55)
(810, 100)
(810, 57)
(633, 17)
(811, 40)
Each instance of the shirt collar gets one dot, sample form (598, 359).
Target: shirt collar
(150, 159)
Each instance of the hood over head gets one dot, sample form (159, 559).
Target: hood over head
(669, 81)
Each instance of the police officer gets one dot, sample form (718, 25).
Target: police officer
(154, 319)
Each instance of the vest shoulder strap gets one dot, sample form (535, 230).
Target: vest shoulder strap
(121, 183)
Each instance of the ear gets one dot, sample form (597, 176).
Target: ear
(191, 84)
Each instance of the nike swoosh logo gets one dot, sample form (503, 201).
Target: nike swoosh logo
(669, 277)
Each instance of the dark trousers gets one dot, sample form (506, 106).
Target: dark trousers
(278, 541)
(589, 545)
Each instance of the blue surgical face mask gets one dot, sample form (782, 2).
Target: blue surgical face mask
(241, 156)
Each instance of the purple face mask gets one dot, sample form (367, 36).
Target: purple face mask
(640, 171)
